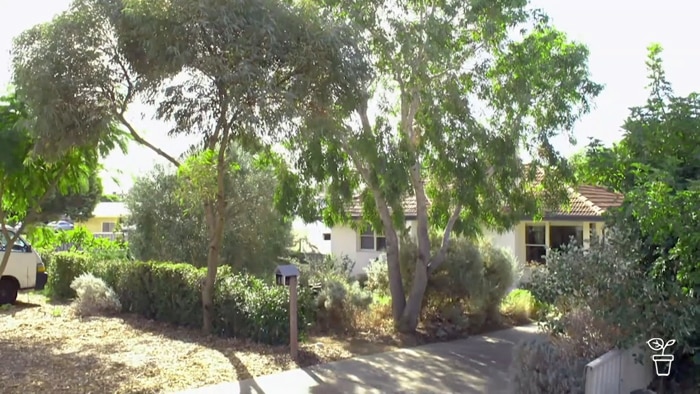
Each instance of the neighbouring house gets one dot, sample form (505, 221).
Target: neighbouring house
(528, 240)
(105, 217)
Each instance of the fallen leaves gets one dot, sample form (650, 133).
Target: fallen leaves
(45, 348)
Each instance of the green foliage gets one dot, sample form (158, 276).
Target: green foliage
(30, 183)
(245, 306)
(418, 58)
(255, 235)
(314, 271)
(544, 366)
(479, 275)
(65, 267)
(426, 141)
(603, 278)
(339, 298)
(656, 167)
(377, 277)
(79, 239)
(110, 198)
(338, 301)
(520, 304)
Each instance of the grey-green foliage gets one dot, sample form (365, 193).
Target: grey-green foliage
(608, 280)
(437, 65)
(476, 272)
(458, 98)
(242, 65)
(94, 296)
(256, 235)
(543, 366)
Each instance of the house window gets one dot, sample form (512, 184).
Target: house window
(326, 236)
(369, 240)
(108, 227)
(535, 243)
(562, 235)
(381, 243)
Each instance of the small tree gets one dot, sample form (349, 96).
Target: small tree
(166, 211)
(27, 180)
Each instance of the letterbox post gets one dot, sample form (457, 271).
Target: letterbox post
(286, 275)
(293, 334)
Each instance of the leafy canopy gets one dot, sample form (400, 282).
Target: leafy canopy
(453, 104)
(29, 181)
(166, 209)
(656, 166)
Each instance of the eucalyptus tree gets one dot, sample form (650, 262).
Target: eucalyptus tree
(223, 70)
(462, 89)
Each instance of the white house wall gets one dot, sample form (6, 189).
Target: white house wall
(346, 242)
(508, 240)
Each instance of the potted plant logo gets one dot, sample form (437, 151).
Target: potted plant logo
(662, 362)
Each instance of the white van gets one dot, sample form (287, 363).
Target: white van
(24, 270)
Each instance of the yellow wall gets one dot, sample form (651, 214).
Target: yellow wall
(94, 224)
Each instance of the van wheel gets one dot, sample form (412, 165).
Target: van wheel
(8, 291)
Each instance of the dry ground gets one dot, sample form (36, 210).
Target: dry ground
(46, 349)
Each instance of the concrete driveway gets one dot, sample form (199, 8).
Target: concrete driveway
(478, 365)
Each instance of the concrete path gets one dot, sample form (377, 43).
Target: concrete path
(476, 365)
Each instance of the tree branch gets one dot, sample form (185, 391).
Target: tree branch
(145, 143)
(441, 255)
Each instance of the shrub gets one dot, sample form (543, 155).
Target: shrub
(313, 271)
(46, 255)
(247, 307)
(520, 305)
(544, 366)
(244, 306)
(377, 276)
(339, 301)
(93, 296)
(65, 267)
(474, 278)
(604, 277)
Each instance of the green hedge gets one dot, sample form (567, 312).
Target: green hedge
(63, 268)
(244, 306)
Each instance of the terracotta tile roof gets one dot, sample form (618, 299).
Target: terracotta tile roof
(588, 200)
(409, 207)
(584, 200)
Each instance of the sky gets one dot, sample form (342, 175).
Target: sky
(617, 34)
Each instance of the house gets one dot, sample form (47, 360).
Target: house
(105, 217)
(527, 240)
(311, 238)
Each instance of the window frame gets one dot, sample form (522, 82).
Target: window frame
(18, 245)
(543, 245)
(376, 238)
(114, 226)
(579, 237)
